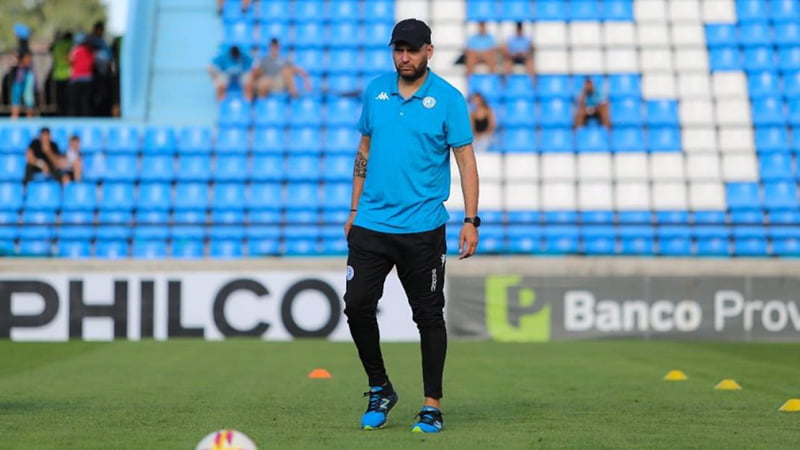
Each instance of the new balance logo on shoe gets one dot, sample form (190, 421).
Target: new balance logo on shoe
(382, 96)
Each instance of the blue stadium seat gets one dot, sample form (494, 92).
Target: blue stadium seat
(776, 166)
(229, 196)
(312, 60)
(341, 140)
(784, 217)
(225, 249)
(240, 34)
(265, 196)
(592, 139)
(37, 225)
(263, 247)
(114, 224)
(518, 87)
(345, 61)
(561, 239)
(227, 224)
(624, 85)
(738, 217)
(559, 86)
(520, 113)
(596, 217)
(786, 246)
(195, 140)
(674, 240)
(309, 11)
(188, 248)
(92, 138)
(516, 10)
(636, 239)
(772, 139)
(598, 239)
(768, 111)
(188, 224)
(154, 196)
(231, 168)
(157, 168)
(750, 246)
(232, 12)
(303, 168)
(35, 248)
(379, 10)
(269, 140)
(634, 217)
(752, 10)
(787, 33)
(487, 84)
(755, 34)
(524, 238)
(763, 84)
(759, 58)
(267, 168)
(235, 112)
(334, 245)
(337, 168)
(303, 195)
(721, 35)
(713, 241)
(94, 167)
(344, 10)
(618, 10)
(341, 84)
(626, 112)
(551, 140)
(627, 140)
(518, 140)
(550, 10)
(662, 113)
(79, 197)
(159, 140)
(791, 84)
(14, 138)
(493, 237)
(584, 10)
(76, 225)
(12, 167)
(123, 139)
(149, 249)
(338, 216)
(74, 249)
(233, 140)
(264, 223)
(342, 112)
(301, 247)
(191, 196)
(43, 196)
(112, 249)
(781, 195)
(305, 139)
(794, 115)
(724, 59)
(123, 167)
(117, 197)
(151, 224)
(789, 58)
(482, 10)
(272, 29)
(275, 11)
(60, 135)
(301, 218)
(336, 195)
(11, 196)
(555, 112)
(310, 35)
(709, 217)
(664, 140)
(743, 196)
(194, 168)
(784, 10)
(345, 27)
(378, 61)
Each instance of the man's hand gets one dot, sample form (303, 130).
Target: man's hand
(349, 223)
(467, 241)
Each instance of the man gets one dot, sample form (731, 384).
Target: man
(409, 122)
(42, 156)
(23, 87)
(481, 48)
(592, 104)
(518, 50)
(81, 60)
(275, 73)
(103, 70)
(231, 66)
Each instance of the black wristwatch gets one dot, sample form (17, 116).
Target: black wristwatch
(473, 220)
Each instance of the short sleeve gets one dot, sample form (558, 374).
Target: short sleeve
(364, 123)
(459, 130)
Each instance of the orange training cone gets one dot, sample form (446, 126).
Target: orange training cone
(320, 373)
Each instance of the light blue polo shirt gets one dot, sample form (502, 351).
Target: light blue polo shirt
(408, 169)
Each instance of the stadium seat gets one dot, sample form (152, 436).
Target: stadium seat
(776, 166)
(271, 112)
(235, 112)
(121, 168)
(487, 84)
(112, 249)
(554, 86)
(378, 62)
(520, 113)
(482, 10)
(309, 11)
(232, 12)
(265, 196)
(12, 167)
(43, 196)
(787, 33)
(303, 168)
(791, 84)
(303, 195)
(305, 140)
(275, 11)
(337, 168)
(157, 168)
(626, 112)
(377, 33)
(765, 84)
(267, 168)
(752, 11)
(784, 10)
(191, 196)
(306, 112)
(781, 195)
(35, 248)
(342, 140)
(598, 239)
(555, 112)
(194, 168)
(340, 85)
(743, 196)
(518, 87)
(229, 196)
(11, 196)
(151, 224)
(662, 113)
(123, 139)
(154, 196)
(74, 249)
(15, 138)
(336, 195)
(269, 140)
(738, 217)
(233, 140)
(550, 140)
(188, 224)
(379, 10)
(627, 140)
(92, 138)
(310, 35)
(663, 140)
(759, 59)
(344, 61)
(759, 33)
(561, 239)
(114, 224)
(789, 58)
(79, 197)
(239, 33)
(188, 248)
(225, 249)
(227, 224)
(551, 10)
(772, 139)
(344, 27)
(342, 112)
(263, 247)
(37, 225)
(624, 85)
(618, 10)
(722, 59)
(592, 139)
(769, 111)
(312, 60)
(76, 225)
(584, 10)
(159, 140)
(149, 249)
(195, 140)
(231, 168)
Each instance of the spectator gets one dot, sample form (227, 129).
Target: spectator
(275, 73)
(481, 48)
(81, 60)
(23, 87)
(23, 34)
(483, 123)
(116, 51)
(61, 68)
(102, 71)
(42, 156)
(232, 67)
(71, 162)
(518, 50)
(592, 104)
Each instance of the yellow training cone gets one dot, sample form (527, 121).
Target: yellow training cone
(675, 375)
(791, 405)
(320, 373)
(728, 385)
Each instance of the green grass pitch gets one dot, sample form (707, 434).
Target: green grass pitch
(597, 394)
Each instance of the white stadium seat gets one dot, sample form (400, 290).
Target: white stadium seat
(521, 196)
(558, 196)
(688, 35)
(736, 139)
(667, 167)
(632, 195)
(659, 85)
(719, 11)
(739, 167)
(703, 166)
(696, 112)
(490, 166)
(656, 60)
(594, 166)
(631, 166)
(586, 61)
(595, 196)
(491, 196)
(729, 84)
(584, 34)
(733, 112)
(622, 60)
(652, 35)
(690, 59)
(419, 9)
(558, 166)
(449, 35)
(693, 85)
(706, 196)
(670, 196)
(684, 11)
(701, 140)
(650, 10)
(521, 167)
(550, 34)
(552, 61)
(456, 11)
(619, 34)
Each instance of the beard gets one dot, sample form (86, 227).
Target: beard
(418, 73)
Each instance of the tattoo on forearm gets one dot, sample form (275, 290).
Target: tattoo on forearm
(460, 149)
(360, 167)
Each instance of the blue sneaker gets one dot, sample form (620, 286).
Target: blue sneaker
(430, 421)
(378, 409)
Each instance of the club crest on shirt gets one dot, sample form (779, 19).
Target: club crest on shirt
(350, 273)
(429, 102)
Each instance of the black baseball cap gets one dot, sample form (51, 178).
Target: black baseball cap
(413, 32)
